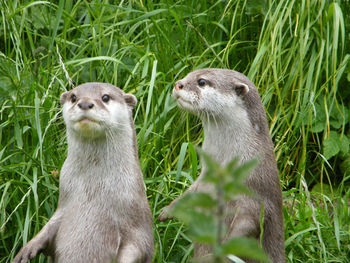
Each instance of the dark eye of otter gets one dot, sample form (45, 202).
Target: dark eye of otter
(201, 82)
(105, 98)
(73, 98)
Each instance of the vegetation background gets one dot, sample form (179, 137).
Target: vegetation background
(296, 51)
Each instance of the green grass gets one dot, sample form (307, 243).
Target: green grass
(297, 53)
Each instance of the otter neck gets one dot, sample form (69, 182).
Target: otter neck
(115, 150)
(226, 138)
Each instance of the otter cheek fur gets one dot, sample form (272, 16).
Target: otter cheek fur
(102, 214)
(235, 125)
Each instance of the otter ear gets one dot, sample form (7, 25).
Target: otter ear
(130, 100)
(241, 89)
(63, 97)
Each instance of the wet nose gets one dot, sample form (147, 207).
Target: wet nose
(178, 86)
(85, 105)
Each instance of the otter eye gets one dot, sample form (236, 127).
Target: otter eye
(73, 98)
(201, 82)
(105, 98)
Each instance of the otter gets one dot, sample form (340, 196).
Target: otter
(235, 125)
(103, 214)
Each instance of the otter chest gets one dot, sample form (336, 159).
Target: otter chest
(96, 186)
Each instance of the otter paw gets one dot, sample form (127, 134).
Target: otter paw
(26, 253)
(163, 216)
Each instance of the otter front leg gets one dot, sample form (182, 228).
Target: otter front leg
(246, 222)
(244, 226)
(132, 254)
(40, 242)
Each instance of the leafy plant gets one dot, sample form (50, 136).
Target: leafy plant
(204, 213)
(295, 51)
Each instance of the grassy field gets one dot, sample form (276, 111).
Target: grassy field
(297, 53)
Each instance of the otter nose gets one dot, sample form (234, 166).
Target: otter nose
(178, 86)
(85, 105)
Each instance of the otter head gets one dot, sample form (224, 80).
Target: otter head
(92, 110)
(211, 92)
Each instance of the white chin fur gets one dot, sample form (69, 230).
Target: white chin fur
(83, 124)
(88, 129)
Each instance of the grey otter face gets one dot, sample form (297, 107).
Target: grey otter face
(210, 91)
(92, 109)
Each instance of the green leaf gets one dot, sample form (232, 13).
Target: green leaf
(180, 163)
(233, 189)
(58, 16)
(191, 200)
(345, 165)
(213, 170)
(338, 117)
(242, 171)
(331, 145)
(334, 144)
(203, 228)
(18, 136)
(344, 144)
(319, 120)
(244, 247)
(193, 159)
(37, 123)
